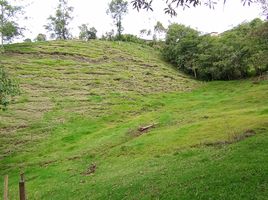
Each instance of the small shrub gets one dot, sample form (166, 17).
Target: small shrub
(8, 89)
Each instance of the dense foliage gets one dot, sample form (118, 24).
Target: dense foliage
(8, 88)
(41, 37)
(237, 53)
(133, 39)
(87, 33)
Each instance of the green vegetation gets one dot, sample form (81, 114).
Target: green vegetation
(9, 13)
(8, 89)
(87, 33)
(235, 54)
(58, 24)
(41, 37)
(117, 9)
(82, 105)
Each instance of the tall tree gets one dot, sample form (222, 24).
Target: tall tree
(159, 29)
(181, 47)
(117, 9)
(58, 24)
(9, 28)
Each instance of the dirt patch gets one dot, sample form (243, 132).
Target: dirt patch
(149, 65)
(20, 142)
(47, 163)
(235, 139)
(58, 55)
(99, 73)
(75, 158)
(12, 128)
(91, 170)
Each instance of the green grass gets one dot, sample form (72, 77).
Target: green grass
(83, 103)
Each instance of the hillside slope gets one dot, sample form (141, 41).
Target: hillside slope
(75, 129)
(81, 74)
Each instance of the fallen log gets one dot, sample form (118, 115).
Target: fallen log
(145, 128)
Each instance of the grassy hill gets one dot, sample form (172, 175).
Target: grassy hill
(75, 129)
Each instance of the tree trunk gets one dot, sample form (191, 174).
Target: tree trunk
(195, 74)
(1, 26)
(119, 27)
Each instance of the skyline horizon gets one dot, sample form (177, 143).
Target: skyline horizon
(203, 19)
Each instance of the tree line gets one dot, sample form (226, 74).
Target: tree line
(58, 24)
(237, 53)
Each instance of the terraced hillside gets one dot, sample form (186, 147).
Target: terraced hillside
(79, 128)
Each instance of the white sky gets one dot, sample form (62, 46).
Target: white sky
(93, 12)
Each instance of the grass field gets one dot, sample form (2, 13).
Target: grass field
(74, 130)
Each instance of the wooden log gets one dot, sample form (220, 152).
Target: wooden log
(145, 128)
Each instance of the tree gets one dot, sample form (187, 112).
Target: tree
(259, 45)
(8, 88)
(117, 9)
(181, 47)
(264, 6)
(149, 32)
(9, 28)
(108, 35)
(41, 37)
(159, 29)
(171, 5)
(87, 33)
(58, 24)
(143, 32)
(27, 40)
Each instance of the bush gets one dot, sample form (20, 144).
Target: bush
(28, 40)
(8, 89)
(41, 37)
(130, 38)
